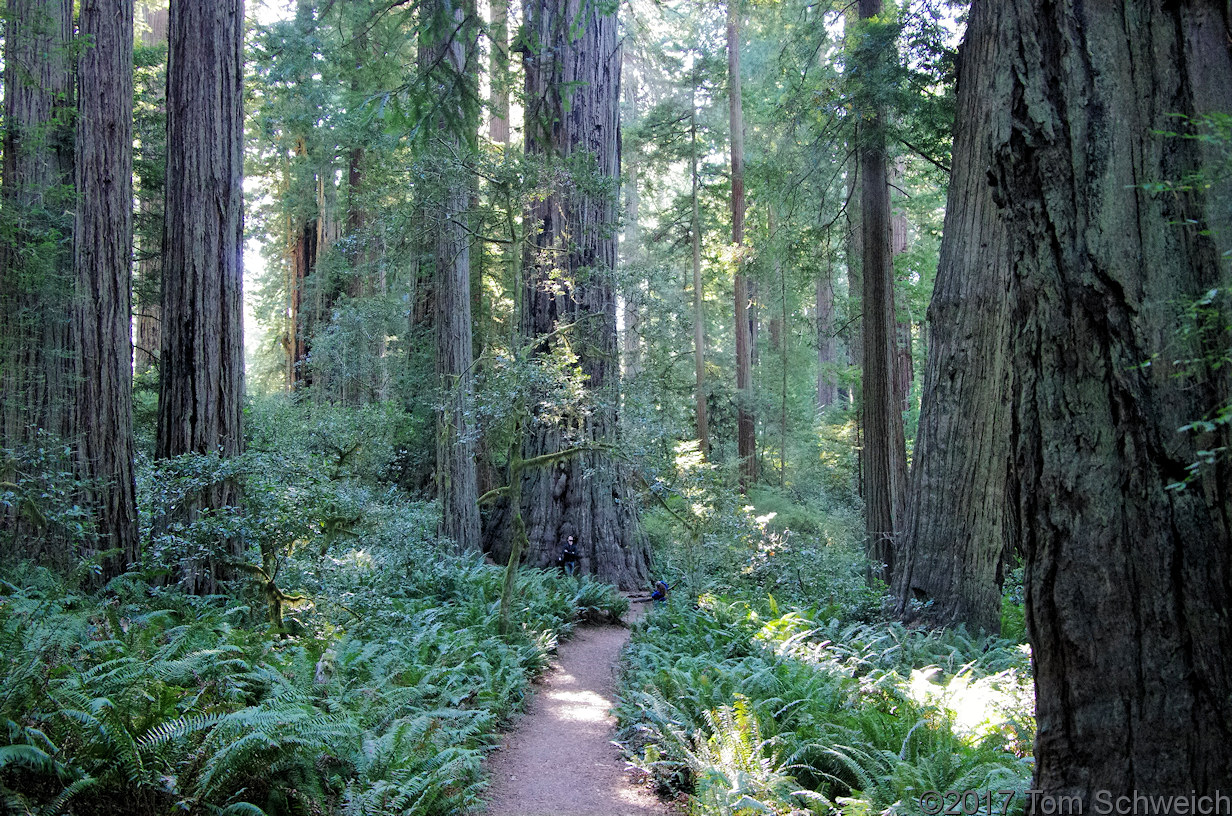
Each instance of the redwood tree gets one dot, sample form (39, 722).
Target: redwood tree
(572, 65)
(443, 48)
(102, 241)
(1129, 568)
(883, 458)
(202, 361)
(746, 427)
(959, 521)
(35, 251)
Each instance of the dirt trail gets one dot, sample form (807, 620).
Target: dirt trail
(560, 760)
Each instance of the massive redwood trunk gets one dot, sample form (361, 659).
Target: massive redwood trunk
(572, 93)
(202, 362)
(1129, 576)
(36, 281)
(959, 518)
(102, 242)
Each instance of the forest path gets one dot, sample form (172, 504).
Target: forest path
(560, 760)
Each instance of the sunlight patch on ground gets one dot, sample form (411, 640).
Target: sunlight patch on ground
(979, 706)
(579, 706)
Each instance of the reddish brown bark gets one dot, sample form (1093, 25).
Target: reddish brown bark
(102, 243)
(746, 427)
(573, 93)
(202, 362)
(1129, 580)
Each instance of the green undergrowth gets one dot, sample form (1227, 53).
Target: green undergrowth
(380, 695)
(747, 710)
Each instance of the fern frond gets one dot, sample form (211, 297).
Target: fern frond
(66, 795)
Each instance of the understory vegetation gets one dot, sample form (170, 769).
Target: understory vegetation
(352, 667)
(775, 680)
(747, 708)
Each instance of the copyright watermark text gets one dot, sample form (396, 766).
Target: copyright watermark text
(1100, 803)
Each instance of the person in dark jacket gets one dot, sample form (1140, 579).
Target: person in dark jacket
(569, 562)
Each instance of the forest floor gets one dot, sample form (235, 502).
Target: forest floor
(560, 760)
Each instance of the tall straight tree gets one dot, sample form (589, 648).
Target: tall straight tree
(1128, 573)
(746, 427)
(498, 73)
(572, 63)
(36, 346)
(201, 387)
(827, 352)
(959, 520)
(102, 243)
(444, 49)
(699, 296)
(150, 131)
(884, 458)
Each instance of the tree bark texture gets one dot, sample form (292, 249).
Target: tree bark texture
(573, 92)
(1129, 583)
(959, 519)
(884, 455)
(36, 282)
(746, 426)
(442, 45)
(102, 243)
(202, 382)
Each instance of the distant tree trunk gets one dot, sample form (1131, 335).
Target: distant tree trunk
(827, 354)
(572, 93)
(303, 259)
(148, 251)
(36, 280)
(746, 428)
(498, 102)
(443, 46)
(102, 242)
(699, 299)
(959, 518)
(904, 367)
(202, 384)
(853, 248)
(884, 456)
(1129, 580)
(632, 356)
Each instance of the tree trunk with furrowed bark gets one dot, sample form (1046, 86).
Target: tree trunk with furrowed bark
(202, 361)
(572, 98)
(959, 522)
(102, 244)
(1128, 573)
